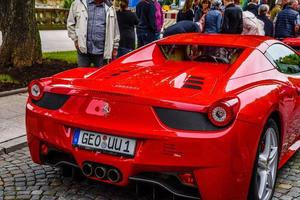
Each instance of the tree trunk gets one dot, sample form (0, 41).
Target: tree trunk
(21, 44)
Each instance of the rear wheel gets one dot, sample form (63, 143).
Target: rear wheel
(266, 164)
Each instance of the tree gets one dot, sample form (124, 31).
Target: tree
(21, 44)
(67, 3)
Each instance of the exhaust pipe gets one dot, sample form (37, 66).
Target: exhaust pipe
(100, 172)
(113, 175)
(87, 169)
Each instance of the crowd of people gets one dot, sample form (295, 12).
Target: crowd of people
(102, 30)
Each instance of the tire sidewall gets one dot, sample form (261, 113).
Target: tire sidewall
(253, 191)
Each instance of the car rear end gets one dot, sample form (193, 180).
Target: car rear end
(116, 138)
(156, 121)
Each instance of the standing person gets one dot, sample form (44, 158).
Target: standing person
(275, 10)
(252, 6)
(197, 10)
(185, 26)
(213, 18)
(287, 23)
(146, 27)
(159, 17)
(263, 9)
(186, 13)
(127, 21)
(205, 8)
(93, 27)
(232, 19)
(252, 25)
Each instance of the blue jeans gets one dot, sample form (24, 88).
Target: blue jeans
(145, 38)
(122, 51)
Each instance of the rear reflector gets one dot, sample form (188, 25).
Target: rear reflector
(187, 179)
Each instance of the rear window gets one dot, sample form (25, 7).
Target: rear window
(200, 53)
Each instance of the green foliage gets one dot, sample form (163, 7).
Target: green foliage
(292, 59)
(68, 56)
(289, 64)
(6, 78)
(68, 3)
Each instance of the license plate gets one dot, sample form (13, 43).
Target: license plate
(104, 142)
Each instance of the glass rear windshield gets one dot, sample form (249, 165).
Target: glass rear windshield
(201, 53)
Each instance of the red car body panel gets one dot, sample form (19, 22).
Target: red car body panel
(293, 42)
(221, 160)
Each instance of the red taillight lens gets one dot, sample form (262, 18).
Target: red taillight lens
(35, 90)
(223, 112)
(187, 179)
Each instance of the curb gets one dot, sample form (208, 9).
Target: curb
(11, 92)
(13, 145)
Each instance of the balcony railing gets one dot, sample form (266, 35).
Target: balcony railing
(51, 18)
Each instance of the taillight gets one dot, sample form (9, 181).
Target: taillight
(35, 90)
(223, 112)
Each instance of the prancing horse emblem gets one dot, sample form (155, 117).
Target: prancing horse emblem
(106, 108)
(98, 107)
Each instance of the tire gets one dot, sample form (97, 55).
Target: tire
(266, 164)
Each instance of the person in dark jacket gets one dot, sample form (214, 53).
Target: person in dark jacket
(186, 13)
(146, 28)
(252, 7)
(232, 19)
(127, 20)
(197, 10)
(213, 18)
(262, 15)
(288, 20)
(185, 26)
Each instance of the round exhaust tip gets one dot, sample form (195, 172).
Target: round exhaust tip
(87, 169)
(100, 172)
(113, 175)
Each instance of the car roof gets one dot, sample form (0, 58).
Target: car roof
(230, 40)
(292, 41)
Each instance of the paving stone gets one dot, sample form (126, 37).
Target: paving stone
(285, 186)
(285, 197)
(23, 193)
(35, 197)
(37, 192)
(23, 197)
(9, 197)
(293, 194)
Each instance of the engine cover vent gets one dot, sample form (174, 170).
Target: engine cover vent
(194, 82)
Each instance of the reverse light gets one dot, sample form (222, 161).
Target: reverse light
(187, 179)
(223, 112)
(35, 90)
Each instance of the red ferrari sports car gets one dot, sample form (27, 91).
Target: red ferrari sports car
(293, 42)
(202, 116)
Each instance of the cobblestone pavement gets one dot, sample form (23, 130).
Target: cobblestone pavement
(20, 178)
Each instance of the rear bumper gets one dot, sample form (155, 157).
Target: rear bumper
(220, 161)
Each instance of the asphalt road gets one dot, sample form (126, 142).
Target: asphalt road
(56, 40)
(20, 178)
